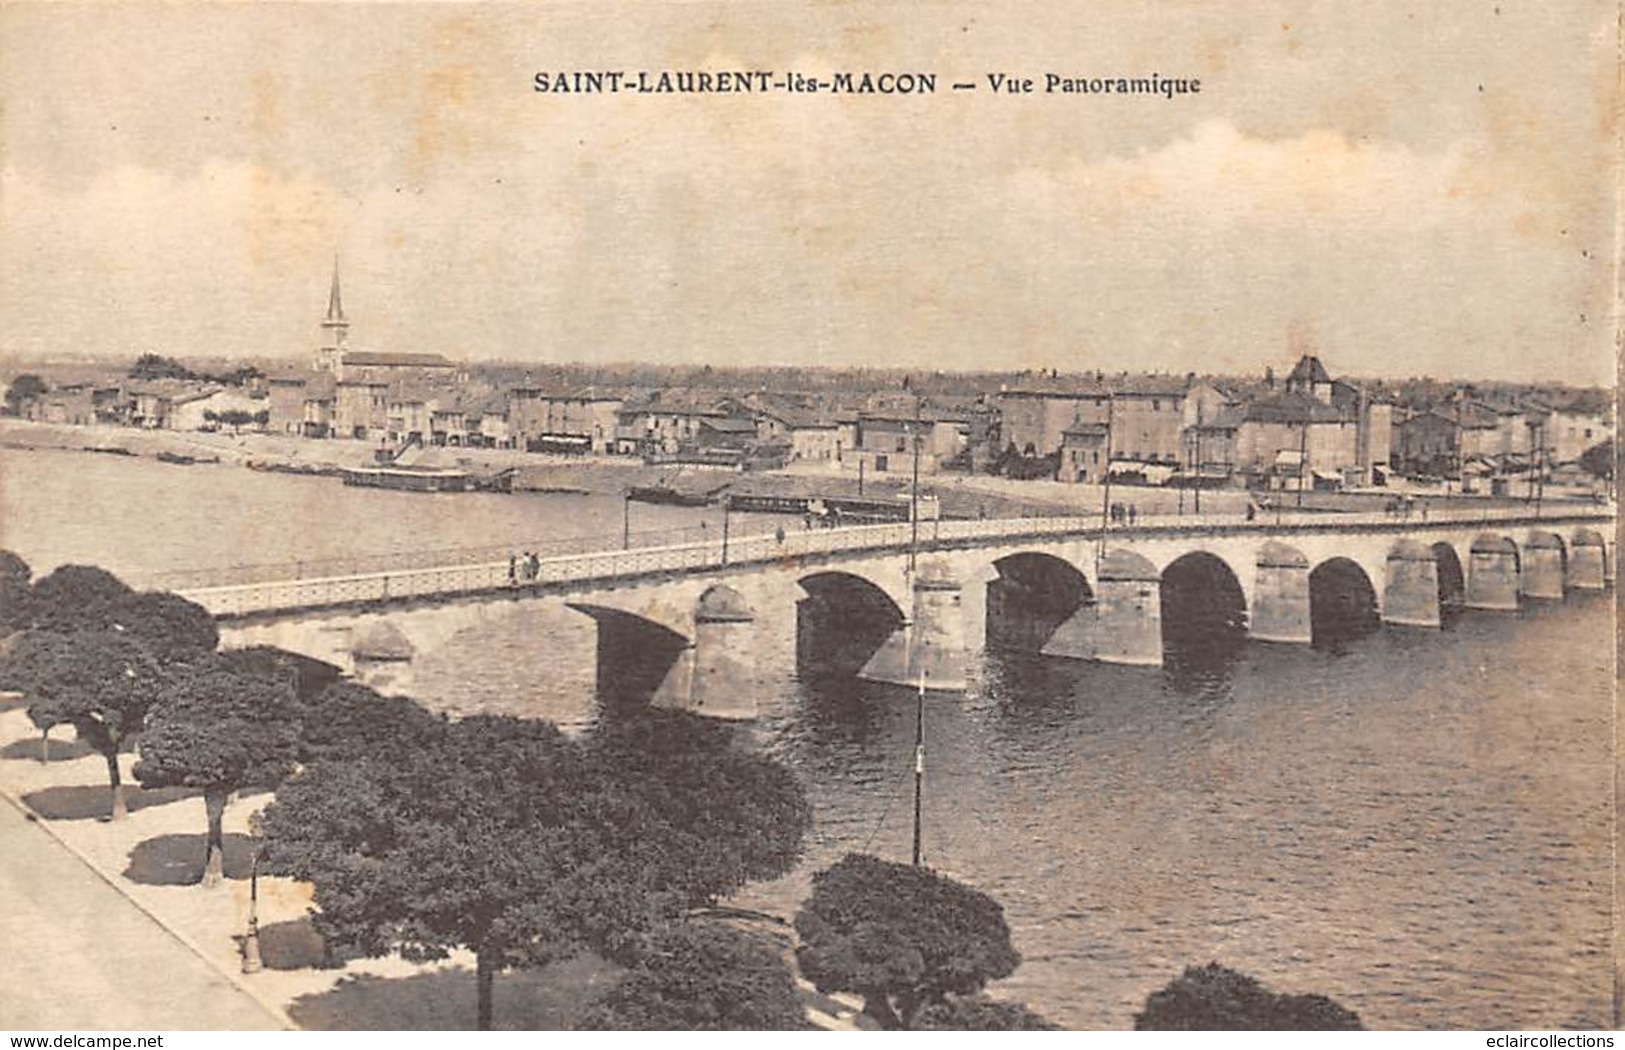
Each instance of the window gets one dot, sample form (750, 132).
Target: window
(902, 444)
(1156, 406)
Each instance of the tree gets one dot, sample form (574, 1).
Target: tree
(901, 937)
(1216, 998)
(75, 598)
(156, 366)
(236, 417)
(456, 843)
(1598, 460)
(101, 682)
(344, 719)
(221, 727)
(504, 837)
(695, 976)
(23, 389)
(717, 816)
(94, 651)
(980, 1014)
(14, 592)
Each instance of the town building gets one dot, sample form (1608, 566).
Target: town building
(575, 421)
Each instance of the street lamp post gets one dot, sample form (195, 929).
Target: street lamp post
(626, 519)
(727, 502)
(252, 963)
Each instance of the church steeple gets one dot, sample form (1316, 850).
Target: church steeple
(335, 305)
(335, 328)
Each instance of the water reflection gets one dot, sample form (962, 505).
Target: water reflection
(1370, 818)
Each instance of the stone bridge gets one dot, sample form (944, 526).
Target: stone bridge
(691, 625)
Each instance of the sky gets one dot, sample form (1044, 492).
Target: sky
(1404, 192)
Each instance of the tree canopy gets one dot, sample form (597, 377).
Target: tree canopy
(702, 976)
(506, 837)
(95, 654)
(15, 576)
(103, 683)
(23, 389)
(901, 937)
(76, 598)
(222, 724)
(980, 1014)
(1216, 998)
(345, 718)
(719, 817)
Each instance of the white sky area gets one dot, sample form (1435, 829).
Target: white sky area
(1412, 189)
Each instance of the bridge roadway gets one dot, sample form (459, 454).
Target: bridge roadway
(292, 596)
(687, 623)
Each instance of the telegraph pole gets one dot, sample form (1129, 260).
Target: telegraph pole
(1303, 459)
(1198, 455)
(1106, 494)
(1540, 469)
(914, 492)
(919, 763)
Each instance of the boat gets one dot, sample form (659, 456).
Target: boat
(666, 495)
(183, 460)
(410, 479)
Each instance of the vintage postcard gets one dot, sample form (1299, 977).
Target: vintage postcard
(843, 515)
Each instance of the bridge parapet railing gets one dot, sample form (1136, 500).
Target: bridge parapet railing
(238, 599)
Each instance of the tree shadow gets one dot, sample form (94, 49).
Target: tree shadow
(59, 751)
(546, 1000)
(295, 945)
(177, 860)
(92, 801)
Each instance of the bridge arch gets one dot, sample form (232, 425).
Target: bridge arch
(1203, 603)
(1033, 594)
(844, 619)
(634, 653)
(1452, 578)
(1342, 602)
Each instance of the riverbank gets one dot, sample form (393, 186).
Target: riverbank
(958, 495)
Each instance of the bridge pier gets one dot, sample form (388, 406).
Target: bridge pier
(1124, 625)
(1541, 574)
(1492, 574)
(1281, 609)
(722, 678)
(932, 643)
(1410, 596)
(1588, 562)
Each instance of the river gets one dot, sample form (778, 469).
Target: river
(1418, 823)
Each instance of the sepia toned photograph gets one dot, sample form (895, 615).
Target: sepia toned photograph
(842, 516)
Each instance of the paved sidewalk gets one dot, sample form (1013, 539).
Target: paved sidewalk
(79, 955)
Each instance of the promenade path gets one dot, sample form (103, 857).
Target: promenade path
(80, 955)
